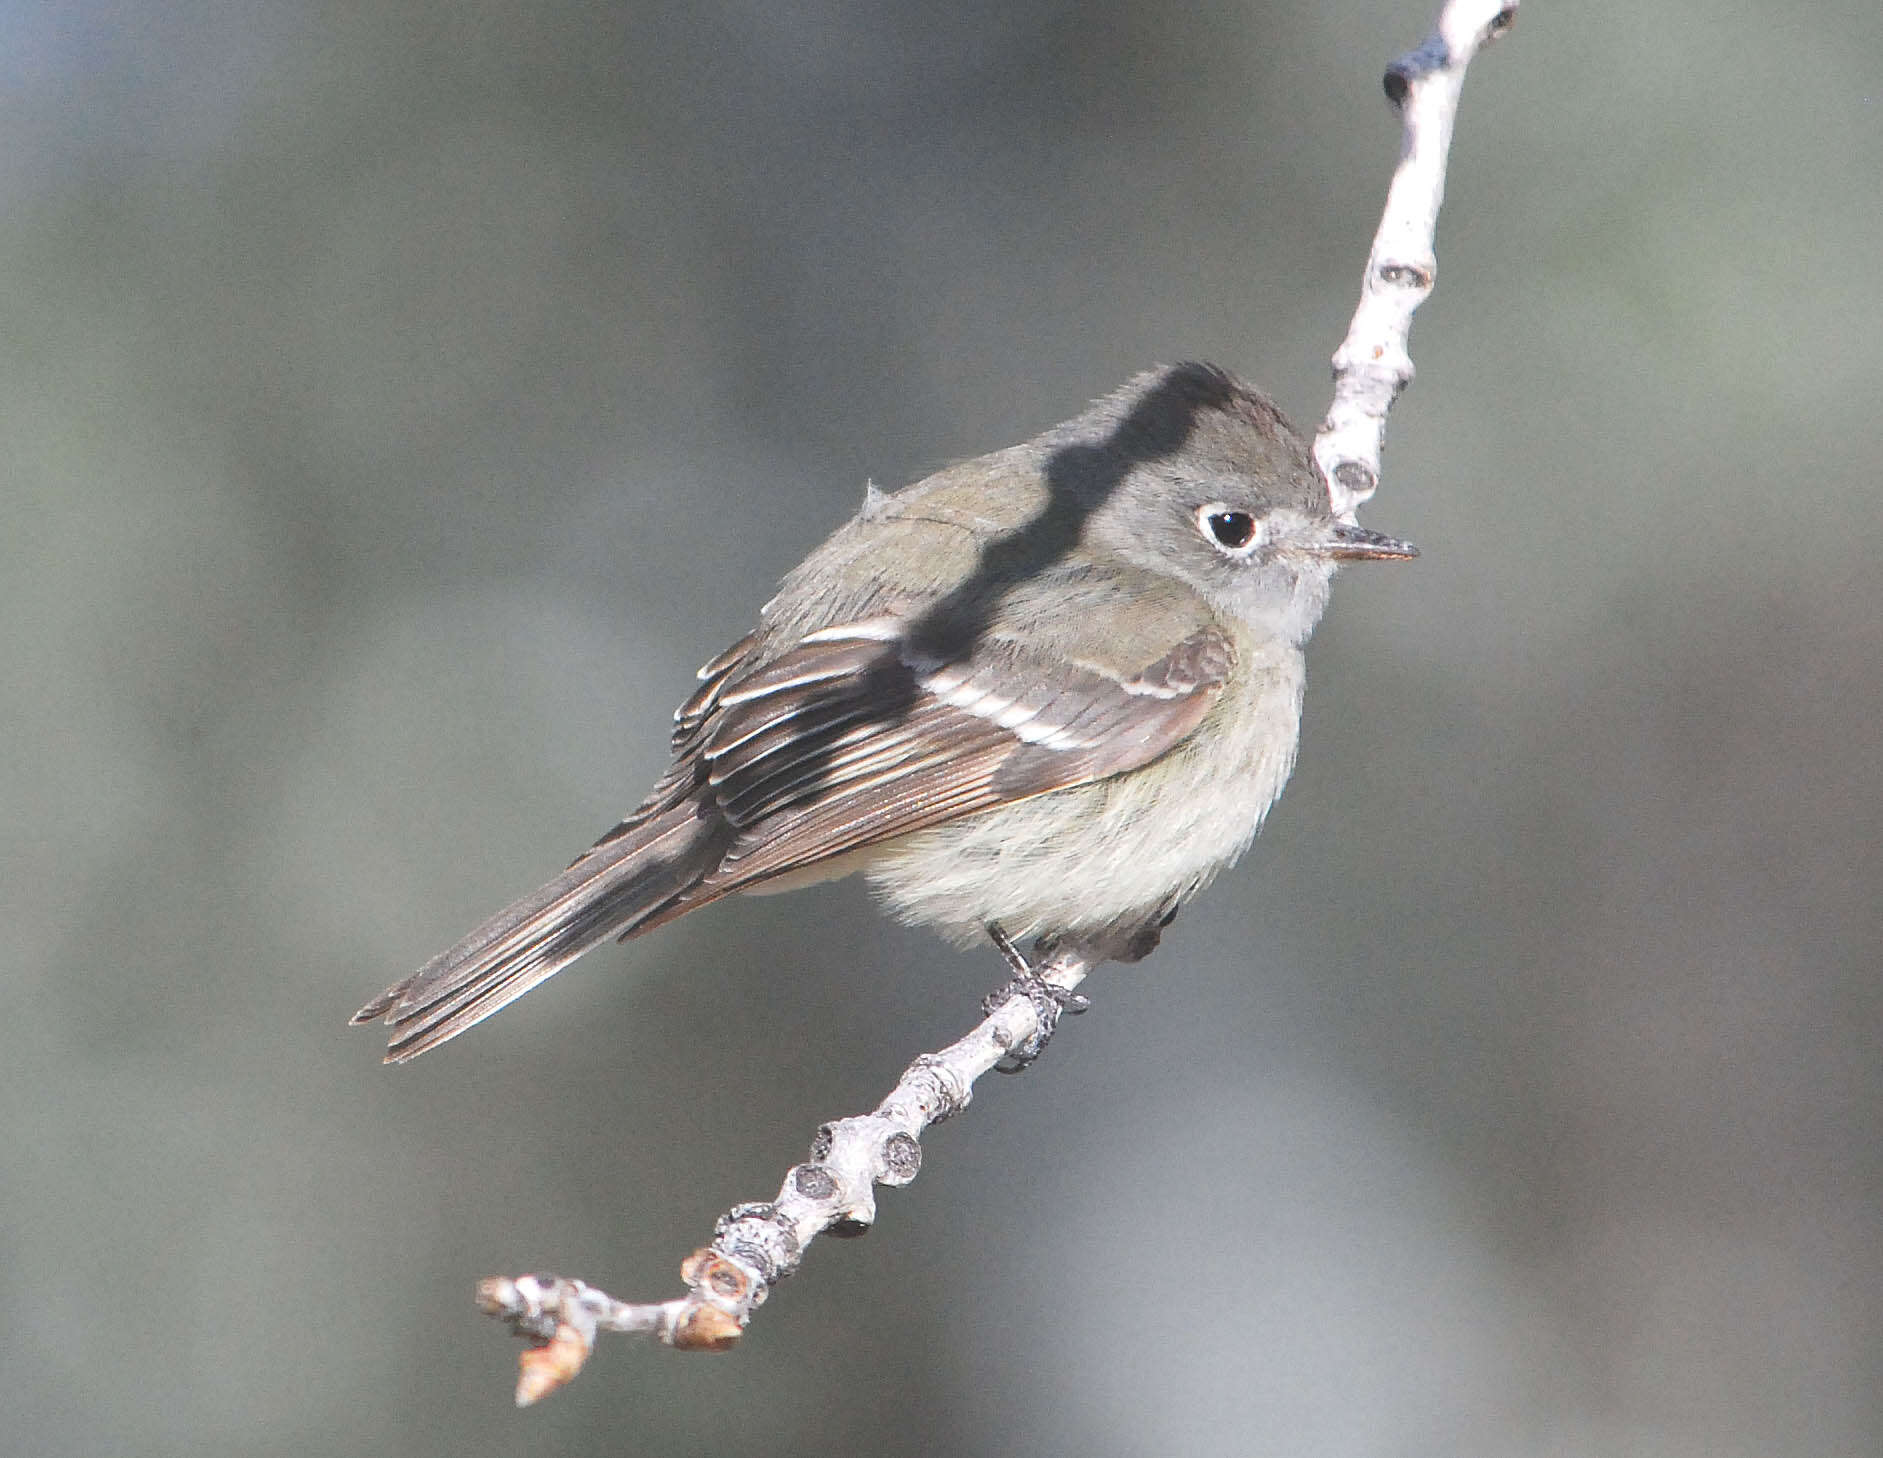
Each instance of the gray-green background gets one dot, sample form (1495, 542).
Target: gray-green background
(399, 401)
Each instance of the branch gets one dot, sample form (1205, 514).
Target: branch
(1372, 365)
(756, 1246)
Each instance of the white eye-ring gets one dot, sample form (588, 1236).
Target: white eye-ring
(1232, 532)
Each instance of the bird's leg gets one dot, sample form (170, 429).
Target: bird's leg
(1015, 958)
(1048, 1001)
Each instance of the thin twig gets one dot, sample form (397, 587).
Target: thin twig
(756, 1246)
(1373, 365)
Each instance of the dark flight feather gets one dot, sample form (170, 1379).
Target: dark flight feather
(847, 738)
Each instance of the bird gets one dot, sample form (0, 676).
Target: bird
(1049, 692)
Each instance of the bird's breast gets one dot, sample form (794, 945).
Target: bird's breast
(1101, 854)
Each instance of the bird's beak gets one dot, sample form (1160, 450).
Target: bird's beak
(1346, 542)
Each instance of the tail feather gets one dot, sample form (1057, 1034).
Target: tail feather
(614, 890)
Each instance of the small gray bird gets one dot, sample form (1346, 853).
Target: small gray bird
(1050, 692)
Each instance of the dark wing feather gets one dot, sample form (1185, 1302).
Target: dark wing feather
(847, 738)
(681, 778)
(808, 765)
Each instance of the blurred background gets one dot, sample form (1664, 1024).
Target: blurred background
(401, 400)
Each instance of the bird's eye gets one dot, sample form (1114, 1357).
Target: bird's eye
(1232, 530)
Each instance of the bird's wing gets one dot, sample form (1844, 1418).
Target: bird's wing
(854, 735)
(850, 736)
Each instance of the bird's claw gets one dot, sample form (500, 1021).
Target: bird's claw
(1049, 1003)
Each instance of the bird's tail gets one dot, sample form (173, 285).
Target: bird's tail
(622, 886)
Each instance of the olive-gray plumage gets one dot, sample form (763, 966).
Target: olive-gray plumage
(1055, 688)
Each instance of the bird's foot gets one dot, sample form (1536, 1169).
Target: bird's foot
(1049, 1003)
